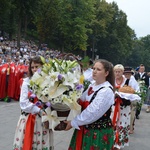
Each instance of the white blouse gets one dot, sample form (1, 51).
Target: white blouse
(25, 104)
(97, 108)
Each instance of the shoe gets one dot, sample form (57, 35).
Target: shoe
(8, 100)
(137, 117)
(131, 132)
(116, 148)
(148, 110)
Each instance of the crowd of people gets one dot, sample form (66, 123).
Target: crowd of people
(14, 63)
(110, 104)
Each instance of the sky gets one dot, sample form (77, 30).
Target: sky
(138, 15)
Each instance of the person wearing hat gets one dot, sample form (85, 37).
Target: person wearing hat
(129, 74)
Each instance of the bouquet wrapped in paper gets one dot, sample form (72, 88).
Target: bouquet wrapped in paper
(58, 82)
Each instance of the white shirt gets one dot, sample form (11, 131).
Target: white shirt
(141, 74)
(25, 104)
(97, 108)
(134, 84)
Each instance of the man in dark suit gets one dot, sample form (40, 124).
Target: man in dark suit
(141, 76)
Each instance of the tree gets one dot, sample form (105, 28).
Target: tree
(46, 19)
(7, 21)
(113, 37)
(19, 11)
(73, 26)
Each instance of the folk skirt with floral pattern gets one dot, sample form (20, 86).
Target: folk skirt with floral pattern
(94, 139)
(42, 138)
(123, 127)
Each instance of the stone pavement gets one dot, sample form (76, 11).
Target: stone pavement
(9, 115)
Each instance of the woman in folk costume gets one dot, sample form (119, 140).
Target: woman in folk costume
(122, 109)
(30, 133)
(93, 127)
(128, 73)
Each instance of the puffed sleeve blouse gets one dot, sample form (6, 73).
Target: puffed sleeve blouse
(25, 104)
(98, 107)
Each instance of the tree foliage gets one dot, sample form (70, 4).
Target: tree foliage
(76, 26)
(140, 53)
(112, 36)
(74, 23)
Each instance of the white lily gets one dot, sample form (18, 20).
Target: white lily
(51, 117)
(44, 84)
(70, 79)
(35, 77)
(71, 101)
(52, 78)
(57, 90)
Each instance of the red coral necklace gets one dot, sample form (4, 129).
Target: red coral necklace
(119, 82)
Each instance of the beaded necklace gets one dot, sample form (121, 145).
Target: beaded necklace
(119, 83)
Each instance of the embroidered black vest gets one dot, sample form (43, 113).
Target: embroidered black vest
(104, 121)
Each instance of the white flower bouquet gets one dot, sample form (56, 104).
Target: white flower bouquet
(58, 82)
(143, 90)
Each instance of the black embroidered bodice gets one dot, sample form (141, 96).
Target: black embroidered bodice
(104, 121)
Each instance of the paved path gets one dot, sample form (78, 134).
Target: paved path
(9, 115)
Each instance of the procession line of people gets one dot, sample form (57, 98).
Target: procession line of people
(108, 113)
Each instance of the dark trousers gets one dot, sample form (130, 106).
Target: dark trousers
(138, 109)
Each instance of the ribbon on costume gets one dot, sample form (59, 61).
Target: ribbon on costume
(28, 138)
(79, 136)
(118, 101)
(29, 130)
